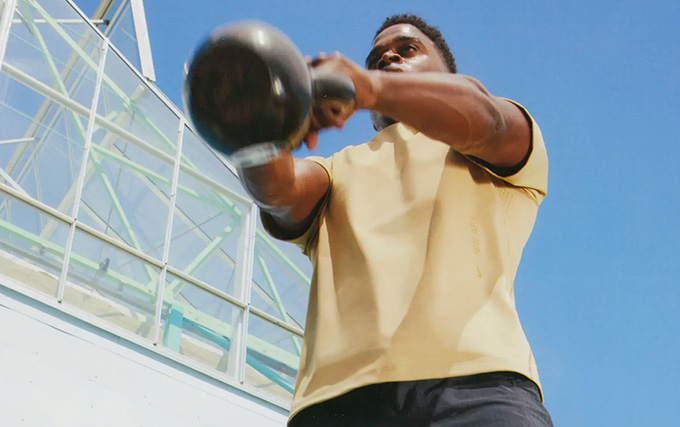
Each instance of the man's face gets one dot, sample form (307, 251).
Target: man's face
(404, 48)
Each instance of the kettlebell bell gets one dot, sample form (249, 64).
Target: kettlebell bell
(248, 92)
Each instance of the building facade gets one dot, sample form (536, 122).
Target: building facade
(137, 286)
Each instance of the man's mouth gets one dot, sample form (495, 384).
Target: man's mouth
(392, 69)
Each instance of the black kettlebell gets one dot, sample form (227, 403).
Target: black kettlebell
(248, 92)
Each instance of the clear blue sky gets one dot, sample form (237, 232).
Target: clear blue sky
(598, 288)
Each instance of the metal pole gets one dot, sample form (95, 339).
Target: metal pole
(65, 21)
(247, 251)
(142, 35)
(81, 176)
(5, 23)
(17, 140)
(168, 235)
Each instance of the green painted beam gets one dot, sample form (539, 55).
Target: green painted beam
(261, 367)
(172, 337)
(111, 192)
(80, 260)
(294, 268)
(201, 258)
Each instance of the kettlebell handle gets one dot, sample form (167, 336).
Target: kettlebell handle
(330, 87)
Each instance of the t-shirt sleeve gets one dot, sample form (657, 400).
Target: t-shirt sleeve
(304, 238)
(533, 174)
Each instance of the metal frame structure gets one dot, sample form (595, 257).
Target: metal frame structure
(143, 39)
(92, 251)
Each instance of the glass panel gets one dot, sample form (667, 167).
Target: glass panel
(128, 180)
(125, 199)
(205, 238)
(129, 103)
(272, 358)
(199, 325)
(112, 284)
(118, 26)
(63, 56)
(58, 9)
(280, 279)
(197, 156)
(121, 32)
(43, 145)
(31, 245)
(207, 228)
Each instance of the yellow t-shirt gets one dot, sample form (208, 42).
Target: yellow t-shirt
(415, 251)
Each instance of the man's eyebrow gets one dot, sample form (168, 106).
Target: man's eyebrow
(398, 39)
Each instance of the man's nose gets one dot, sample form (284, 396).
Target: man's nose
(387, 58)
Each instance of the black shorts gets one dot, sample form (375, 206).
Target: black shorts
(498, 399)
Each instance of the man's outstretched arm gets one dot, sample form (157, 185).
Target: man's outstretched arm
(456, 110)
(451, 108)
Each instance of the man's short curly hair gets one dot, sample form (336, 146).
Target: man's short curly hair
(430, 31)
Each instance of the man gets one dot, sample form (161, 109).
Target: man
(415, 238)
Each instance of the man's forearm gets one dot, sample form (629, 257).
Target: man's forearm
(288, 189)
(451, 108)
(270, 184)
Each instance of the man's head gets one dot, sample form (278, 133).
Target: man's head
(407, 43)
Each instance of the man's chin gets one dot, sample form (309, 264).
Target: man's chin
(380, 122)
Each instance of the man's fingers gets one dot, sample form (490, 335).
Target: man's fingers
(328, 114)
(312, 140)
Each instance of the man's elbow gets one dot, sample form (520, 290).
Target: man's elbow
(505, 139)
(487, 128)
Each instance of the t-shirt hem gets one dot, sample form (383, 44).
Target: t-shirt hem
(415, 372)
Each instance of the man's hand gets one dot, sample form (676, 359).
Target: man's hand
(327, 116)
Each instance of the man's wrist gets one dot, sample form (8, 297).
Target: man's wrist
(370, 89)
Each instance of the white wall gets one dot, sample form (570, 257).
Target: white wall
(59, 371)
